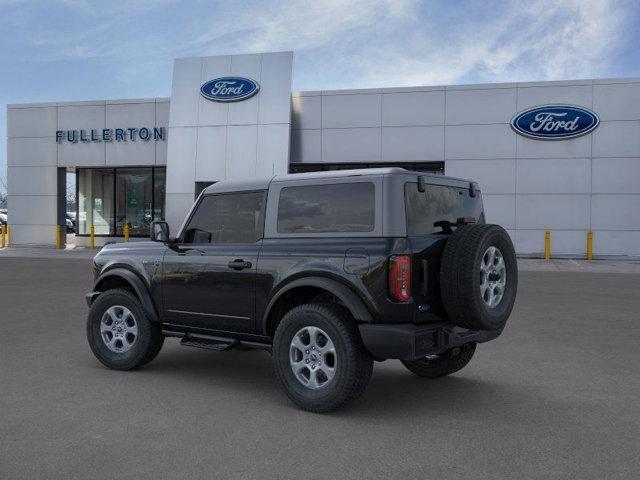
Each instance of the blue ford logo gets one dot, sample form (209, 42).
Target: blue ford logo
(229, 89)
(555, 122)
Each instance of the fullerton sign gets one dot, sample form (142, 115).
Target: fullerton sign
(111, 135)
(555, 122)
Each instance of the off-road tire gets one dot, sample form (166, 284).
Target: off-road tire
(446, 364)
(460, 277)
(148, 342)
(354, 364)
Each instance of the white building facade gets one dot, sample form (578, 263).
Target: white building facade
(140, 160)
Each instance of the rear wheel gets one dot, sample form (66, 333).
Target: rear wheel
(119, 332)
(440, 365)
(319, 359)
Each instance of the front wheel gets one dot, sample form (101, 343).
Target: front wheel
(119, 332)
(319, 359)
(441, 365)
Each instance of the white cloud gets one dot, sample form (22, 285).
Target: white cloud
(556, 39)
(543, 40)
(363, 43)
(338, 43)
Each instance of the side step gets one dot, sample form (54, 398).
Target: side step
(219, 344)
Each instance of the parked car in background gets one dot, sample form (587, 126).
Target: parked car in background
(71, 222)
(71, 227)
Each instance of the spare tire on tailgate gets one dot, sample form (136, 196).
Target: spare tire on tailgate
(479, 277)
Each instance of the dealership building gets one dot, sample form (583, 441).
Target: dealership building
(559, 156)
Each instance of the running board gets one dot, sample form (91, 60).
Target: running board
(211, 343)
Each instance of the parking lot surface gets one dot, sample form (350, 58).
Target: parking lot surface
(556, 396)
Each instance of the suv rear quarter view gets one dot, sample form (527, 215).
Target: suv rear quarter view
(328, 271)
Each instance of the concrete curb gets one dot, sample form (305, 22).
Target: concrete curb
(46, 252)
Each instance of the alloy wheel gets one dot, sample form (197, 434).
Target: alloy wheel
(312, 356)
(493, 277)
(118, 329)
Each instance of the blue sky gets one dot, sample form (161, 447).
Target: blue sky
(86, 49)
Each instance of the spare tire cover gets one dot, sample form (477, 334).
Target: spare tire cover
(479, 277)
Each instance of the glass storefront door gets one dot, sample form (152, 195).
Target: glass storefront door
(110, 197)
(95, 201)
(134, 200)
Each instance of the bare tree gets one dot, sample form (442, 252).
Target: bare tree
(3, 193)
(71, 194)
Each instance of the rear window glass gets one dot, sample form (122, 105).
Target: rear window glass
(437, 204)
(344, 207)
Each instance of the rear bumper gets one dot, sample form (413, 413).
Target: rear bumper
(406, 341)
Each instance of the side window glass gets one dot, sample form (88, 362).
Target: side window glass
(227, 218)
(334, 208)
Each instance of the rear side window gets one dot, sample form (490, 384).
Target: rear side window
(227, 218)
(343, 207)
(437, 204)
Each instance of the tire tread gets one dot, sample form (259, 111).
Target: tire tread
(358, 377)
(458, 276)
(152, 344)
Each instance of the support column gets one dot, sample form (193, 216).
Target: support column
(62, 205)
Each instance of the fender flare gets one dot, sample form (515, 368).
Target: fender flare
(346, 295)
(138, 285)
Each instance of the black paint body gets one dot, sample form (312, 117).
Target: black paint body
(193, 286)
(240, 291)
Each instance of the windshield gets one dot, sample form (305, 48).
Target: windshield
(439, 206)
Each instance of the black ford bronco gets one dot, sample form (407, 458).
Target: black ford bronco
(328, 271)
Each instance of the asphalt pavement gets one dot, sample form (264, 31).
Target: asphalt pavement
(556, 396)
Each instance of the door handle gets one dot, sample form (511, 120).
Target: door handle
(239, 264)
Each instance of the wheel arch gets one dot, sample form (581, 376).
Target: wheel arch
(123, 278)
(295, 293)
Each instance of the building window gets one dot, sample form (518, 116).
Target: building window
(430, 167)
(134, 200)
(109, 198)
(159, 192)
(200, 186)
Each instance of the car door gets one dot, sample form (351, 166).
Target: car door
(209, 274)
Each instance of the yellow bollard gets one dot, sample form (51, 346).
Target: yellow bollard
(4, 235)
(58, 237)
(126, 231)
(92, 237)
(8, 235)
(547, 244)
(589, 245)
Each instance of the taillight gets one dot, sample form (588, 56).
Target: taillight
(400, 278)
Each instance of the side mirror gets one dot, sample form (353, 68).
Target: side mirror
(160, 232)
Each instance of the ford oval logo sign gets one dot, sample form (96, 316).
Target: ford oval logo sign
(229, 89)
(555, 122)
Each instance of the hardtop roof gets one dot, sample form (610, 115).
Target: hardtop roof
(248, 184)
